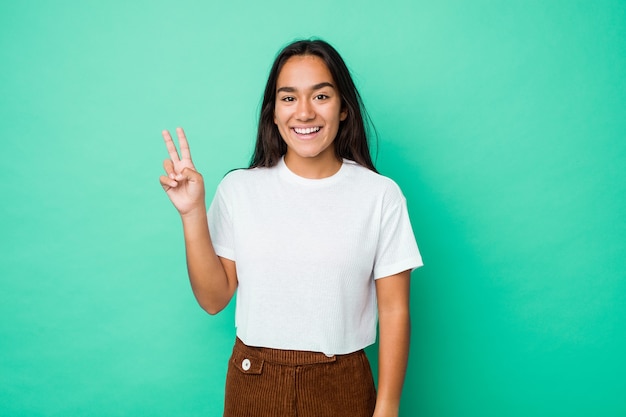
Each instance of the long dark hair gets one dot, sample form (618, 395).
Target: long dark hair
(351, 141)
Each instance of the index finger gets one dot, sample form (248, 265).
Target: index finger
(171, 148)
(184, 145)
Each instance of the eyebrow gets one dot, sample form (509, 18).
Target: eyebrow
(313, 88)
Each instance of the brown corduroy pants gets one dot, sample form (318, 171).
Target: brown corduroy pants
(264, 382)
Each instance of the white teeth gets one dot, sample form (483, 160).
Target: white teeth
(306, 131)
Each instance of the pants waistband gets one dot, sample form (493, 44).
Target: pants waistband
(287, 357)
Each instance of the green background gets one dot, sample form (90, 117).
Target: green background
(503, 121)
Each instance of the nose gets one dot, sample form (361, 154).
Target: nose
(304, 110)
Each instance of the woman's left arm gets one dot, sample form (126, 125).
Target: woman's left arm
(394, 324)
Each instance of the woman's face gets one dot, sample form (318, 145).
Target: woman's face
(308, 112)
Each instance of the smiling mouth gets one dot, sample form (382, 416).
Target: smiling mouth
(306, 130)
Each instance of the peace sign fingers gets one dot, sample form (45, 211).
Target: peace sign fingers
(182, 183)
(184, 159)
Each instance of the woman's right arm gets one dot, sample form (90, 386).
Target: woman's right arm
(213, 279)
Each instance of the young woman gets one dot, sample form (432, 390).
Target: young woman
(317, 244)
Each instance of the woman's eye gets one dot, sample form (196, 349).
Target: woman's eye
(287, 98)
(321, 97)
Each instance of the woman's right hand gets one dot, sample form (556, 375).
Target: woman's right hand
(182, 183)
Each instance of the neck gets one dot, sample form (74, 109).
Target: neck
(313, 168)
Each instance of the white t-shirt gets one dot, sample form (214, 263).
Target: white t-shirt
(308, 251)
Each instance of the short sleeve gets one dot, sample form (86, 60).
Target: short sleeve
(221, 225)
(397, 249)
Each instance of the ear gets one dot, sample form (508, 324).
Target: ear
(343, 114)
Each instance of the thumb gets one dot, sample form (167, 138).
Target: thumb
(190, 175)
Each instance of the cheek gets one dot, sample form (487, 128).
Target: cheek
(279, 117)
